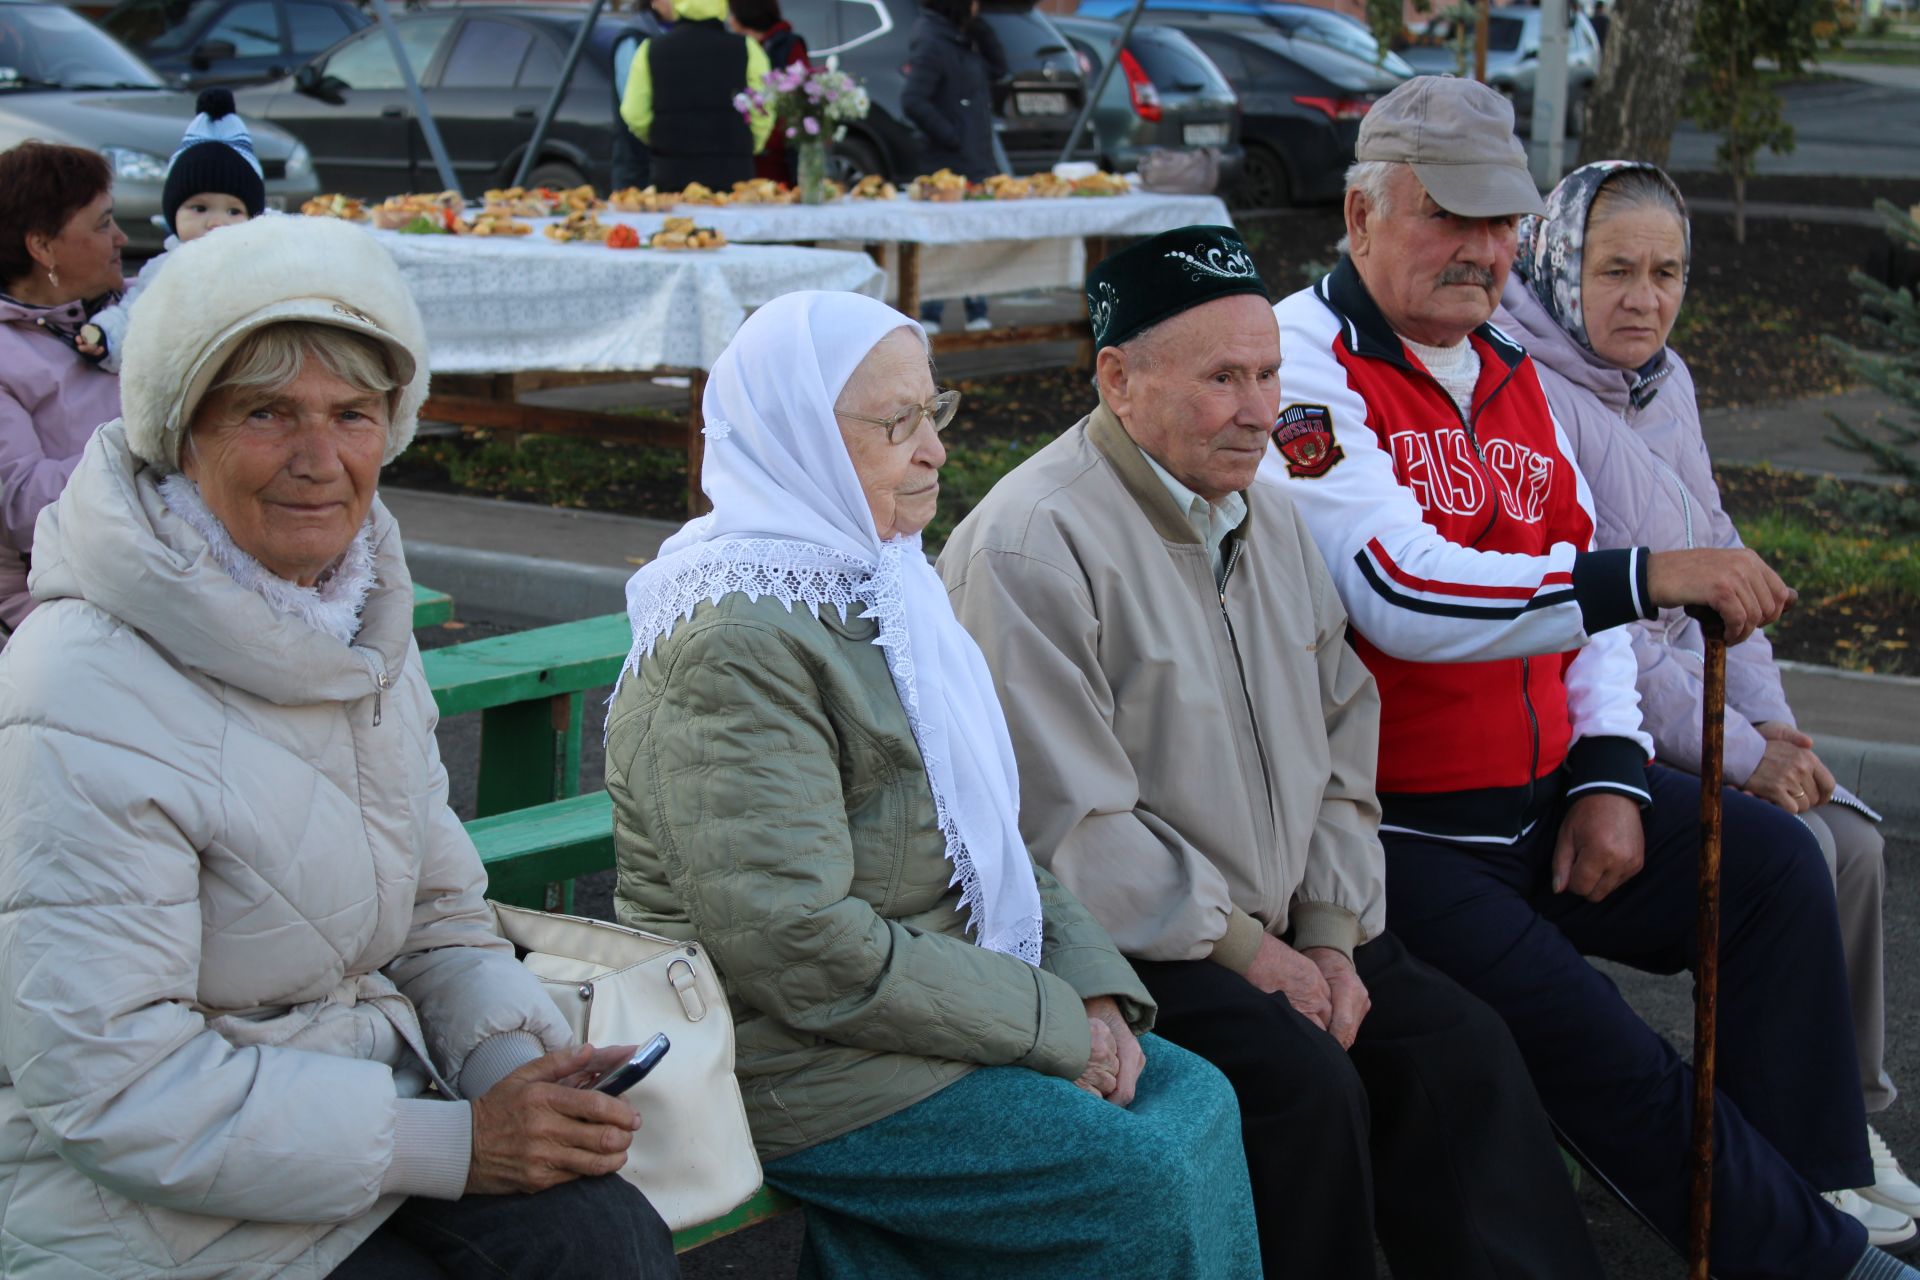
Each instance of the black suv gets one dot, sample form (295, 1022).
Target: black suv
(1034, 106)
(203, 42)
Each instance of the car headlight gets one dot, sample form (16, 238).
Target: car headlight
(135, 166)
(299, 163)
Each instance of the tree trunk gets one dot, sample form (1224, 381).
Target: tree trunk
(1740, 205)
(1636, 101)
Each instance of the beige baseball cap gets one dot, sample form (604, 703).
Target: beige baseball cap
(1458, 136)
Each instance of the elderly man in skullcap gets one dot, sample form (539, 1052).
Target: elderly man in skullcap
(1197, 743)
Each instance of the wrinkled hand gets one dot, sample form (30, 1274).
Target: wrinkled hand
(1132, 1059)
(1348, 994)
(532, 1131)
(1277, 967)
(1102, 1075)
(1790, 775)
(1734, 582)
(1601, 846)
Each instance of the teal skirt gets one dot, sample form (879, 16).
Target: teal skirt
(1008, 1172)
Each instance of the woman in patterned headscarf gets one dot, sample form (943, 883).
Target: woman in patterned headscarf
(1594, 294)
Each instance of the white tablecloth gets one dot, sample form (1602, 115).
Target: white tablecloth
(979, 247)
(507, 305)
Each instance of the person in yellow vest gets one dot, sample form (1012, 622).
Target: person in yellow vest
(679, 100)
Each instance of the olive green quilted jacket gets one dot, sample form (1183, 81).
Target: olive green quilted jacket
(769, 800)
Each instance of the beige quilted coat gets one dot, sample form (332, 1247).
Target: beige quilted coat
(769, 800)
(231, 893)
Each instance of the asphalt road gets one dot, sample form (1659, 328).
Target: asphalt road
(1629, 1250)
(1848, 126)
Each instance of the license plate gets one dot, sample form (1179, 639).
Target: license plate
(1041, 104)
(1205, 135)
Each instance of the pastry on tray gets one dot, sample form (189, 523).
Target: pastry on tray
(696, 193)
(1049, 186)
(581, 226)
(945, 186)
(762, 191)
(493, 222)
(335, 206)
(1002, 186)
(518, 202)
(680, 233)
(873, 187)
(643, 200)
(1101, 184)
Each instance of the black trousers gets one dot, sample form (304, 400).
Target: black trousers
(589, 1229)
(1428, 1133)
(1788, 1121)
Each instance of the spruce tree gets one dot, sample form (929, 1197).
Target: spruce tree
(1890, 364)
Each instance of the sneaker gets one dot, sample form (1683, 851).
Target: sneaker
(1884, 1226)
(931, 326)
(1891, 1186)
(980, 325)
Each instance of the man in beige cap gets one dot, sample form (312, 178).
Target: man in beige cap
(1523, 825)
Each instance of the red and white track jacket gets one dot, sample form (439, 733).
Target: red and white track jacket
(1462, 547)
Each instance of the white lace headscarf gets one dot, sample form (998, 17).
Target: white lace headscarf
(790, 521)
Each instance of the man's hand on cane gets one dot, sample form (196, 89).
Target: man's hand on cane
(1733, 582)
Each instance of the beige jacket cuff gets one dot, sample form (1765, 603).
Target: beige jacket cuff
(432, 1148)
(496, 1058)
(1236, 948)
(1321, 924)
(1065, 1044)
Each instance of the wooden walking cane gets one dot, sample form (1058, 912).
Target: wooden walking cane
(1706, 987)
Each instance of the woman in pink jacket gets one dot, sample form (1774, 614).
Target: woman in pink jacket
(59, 263)
(1593, 295)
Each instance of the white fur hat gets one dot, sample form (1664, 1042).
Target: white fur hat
(209, 294)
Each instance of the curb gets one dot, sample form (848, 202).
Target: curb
(523, 591)
(529, 591)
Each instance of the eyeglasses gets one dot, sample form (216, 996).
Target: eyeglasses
(901, 426)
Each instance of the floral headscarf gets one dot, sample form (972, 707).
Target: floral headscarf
(1552, 249)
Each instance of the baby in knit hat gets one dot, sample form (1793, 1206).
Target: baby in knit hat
(214, 180)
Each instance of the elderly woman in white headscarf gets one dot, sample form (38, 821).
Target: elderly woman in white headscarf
(812, 775)
(254, 1015)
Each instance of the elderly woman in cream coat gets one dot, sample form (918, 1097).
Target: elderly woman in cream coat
(254, 1015)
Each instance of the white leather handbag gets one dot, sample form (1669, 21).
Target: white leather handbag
(693, 1155)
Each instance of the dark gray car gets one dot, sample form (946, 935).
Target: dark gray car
(64, 80)
(1165, 93)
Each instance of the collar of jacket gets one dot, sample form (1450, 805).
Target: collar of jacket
(1124, 456)
(1367, 333)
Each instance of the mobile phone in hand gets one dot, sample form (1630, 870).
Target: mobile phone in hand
(634, 1069)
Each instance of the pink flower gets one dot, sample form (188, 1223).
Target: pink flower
(812, 127)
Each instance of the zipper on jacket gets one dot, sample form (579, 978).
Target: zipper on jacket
(1533, 727)
(378, 670)
(1240, 669)
(1680, 487)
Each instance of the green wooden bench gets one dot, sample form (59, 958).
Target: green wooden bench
(527, 688)
(430, 607)
(529, 849)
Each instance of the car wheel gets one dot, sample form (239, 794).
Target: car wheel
(556, 175)
(851, 160)
(1264, 183)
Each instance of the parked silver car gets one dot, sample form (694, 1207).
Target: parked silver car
(1513, 56)
(62, 79)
